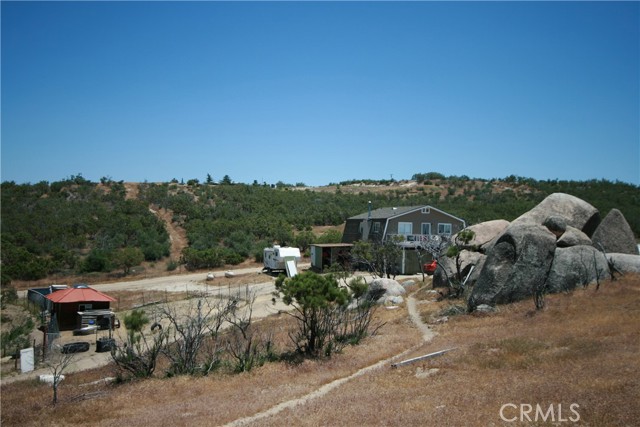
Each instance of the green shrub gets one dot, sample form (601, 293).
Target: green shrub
(172, 265)
(17, 337)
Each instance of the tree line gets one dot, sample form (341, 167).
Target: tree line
(77, 226)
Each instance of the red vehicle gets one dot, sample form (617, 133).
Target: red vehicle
(430, 268)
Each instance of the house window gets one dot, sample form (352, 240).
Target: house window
(444, 228)
(425, 228)
(405, 228)
(84, 307)
(426, 210)
(376, 227)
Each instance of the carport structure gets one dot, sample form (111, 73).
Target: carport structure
(324, 255)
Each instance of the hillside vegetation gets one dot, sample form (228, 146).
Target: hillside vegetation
(75, 226)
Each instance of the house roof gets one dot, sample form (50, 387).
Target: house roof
(79, 295)
(384, 213)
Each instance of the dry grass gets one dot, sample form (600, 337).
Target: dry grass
(583, 348)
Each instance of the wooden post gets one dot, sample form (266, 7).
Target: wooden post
(44, 341)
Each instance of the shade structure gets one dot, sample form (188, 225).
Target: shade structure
(79, 295)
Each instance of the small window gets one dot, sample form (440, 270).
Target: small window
(376, 227)
(425, 228)
(444, 228)
(405, 228)
(426, 210)
(84, 307)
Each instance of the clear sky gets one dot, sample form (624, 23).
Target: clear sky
(320, 92)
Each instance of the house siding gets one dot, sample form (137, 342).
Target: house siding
(67, 313)
(418, 218)
(389, 225)
(352, 231)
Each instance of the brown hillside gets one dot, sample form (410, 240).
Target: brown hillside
(581, 350)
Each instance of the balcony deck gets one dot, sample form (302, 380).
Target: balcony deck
(412, 241)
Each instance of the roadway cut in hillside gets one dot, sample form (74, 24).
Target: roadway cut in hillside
(177, 234)
(414, 315)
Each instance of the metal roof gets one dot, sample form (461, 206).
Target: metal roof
(384, 213)
(79, 295)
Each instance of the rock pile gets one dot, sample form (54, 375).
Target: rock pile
(559, 244)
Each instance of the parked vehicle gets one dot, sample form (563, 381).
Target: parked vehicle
(430, 267)
(85, 330)
(283, 258)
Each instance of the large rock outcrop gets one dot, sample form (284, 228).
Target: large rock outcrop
(555, 246)
(486, 233)
(382, 288)
(576, 266)
(447, 268)
(573, 237)
(615, 235)
(576, 212)
(516, 265)
(625, 263)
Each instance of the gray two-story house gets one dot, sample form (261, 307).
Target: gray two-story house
(410, 227)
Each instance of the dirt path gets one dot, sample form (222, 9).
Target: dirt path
(177, 235)
(132, 190)
(414, 315)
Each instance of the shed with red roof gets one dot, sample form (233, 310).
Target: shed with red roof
(69, 302)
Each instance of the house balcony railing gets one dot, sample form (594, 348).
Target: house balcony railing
(415, 240)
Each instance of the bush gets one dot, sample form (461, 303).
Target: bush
(17, 337)
(9, 295)
(97, 260)
(172, 265)
(314, 298)
(232, 258)
(329, 236)
(194, 259)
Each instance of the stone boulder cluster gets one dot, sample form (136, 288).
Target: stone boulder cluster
(558, 245)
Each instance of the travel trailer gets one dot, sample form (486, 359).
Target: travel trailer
(282, 259)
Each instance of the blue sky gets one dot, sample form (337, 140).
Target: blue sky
(320, 92)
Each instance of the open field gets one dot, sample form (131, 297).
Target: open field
(581, 350)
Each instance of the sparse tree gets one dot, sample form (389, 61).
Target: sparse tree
(380, 258)
(456, 283)
(539, 294)
(355, 319)
(303, 239)
(126, 258)
(58, 361)
(245, 347)
(613, 270)
(139, 353)
(191, 329)
(314, 299)
(460, 243)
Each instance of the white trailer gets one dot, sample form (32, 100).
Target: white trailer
(280, 258)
